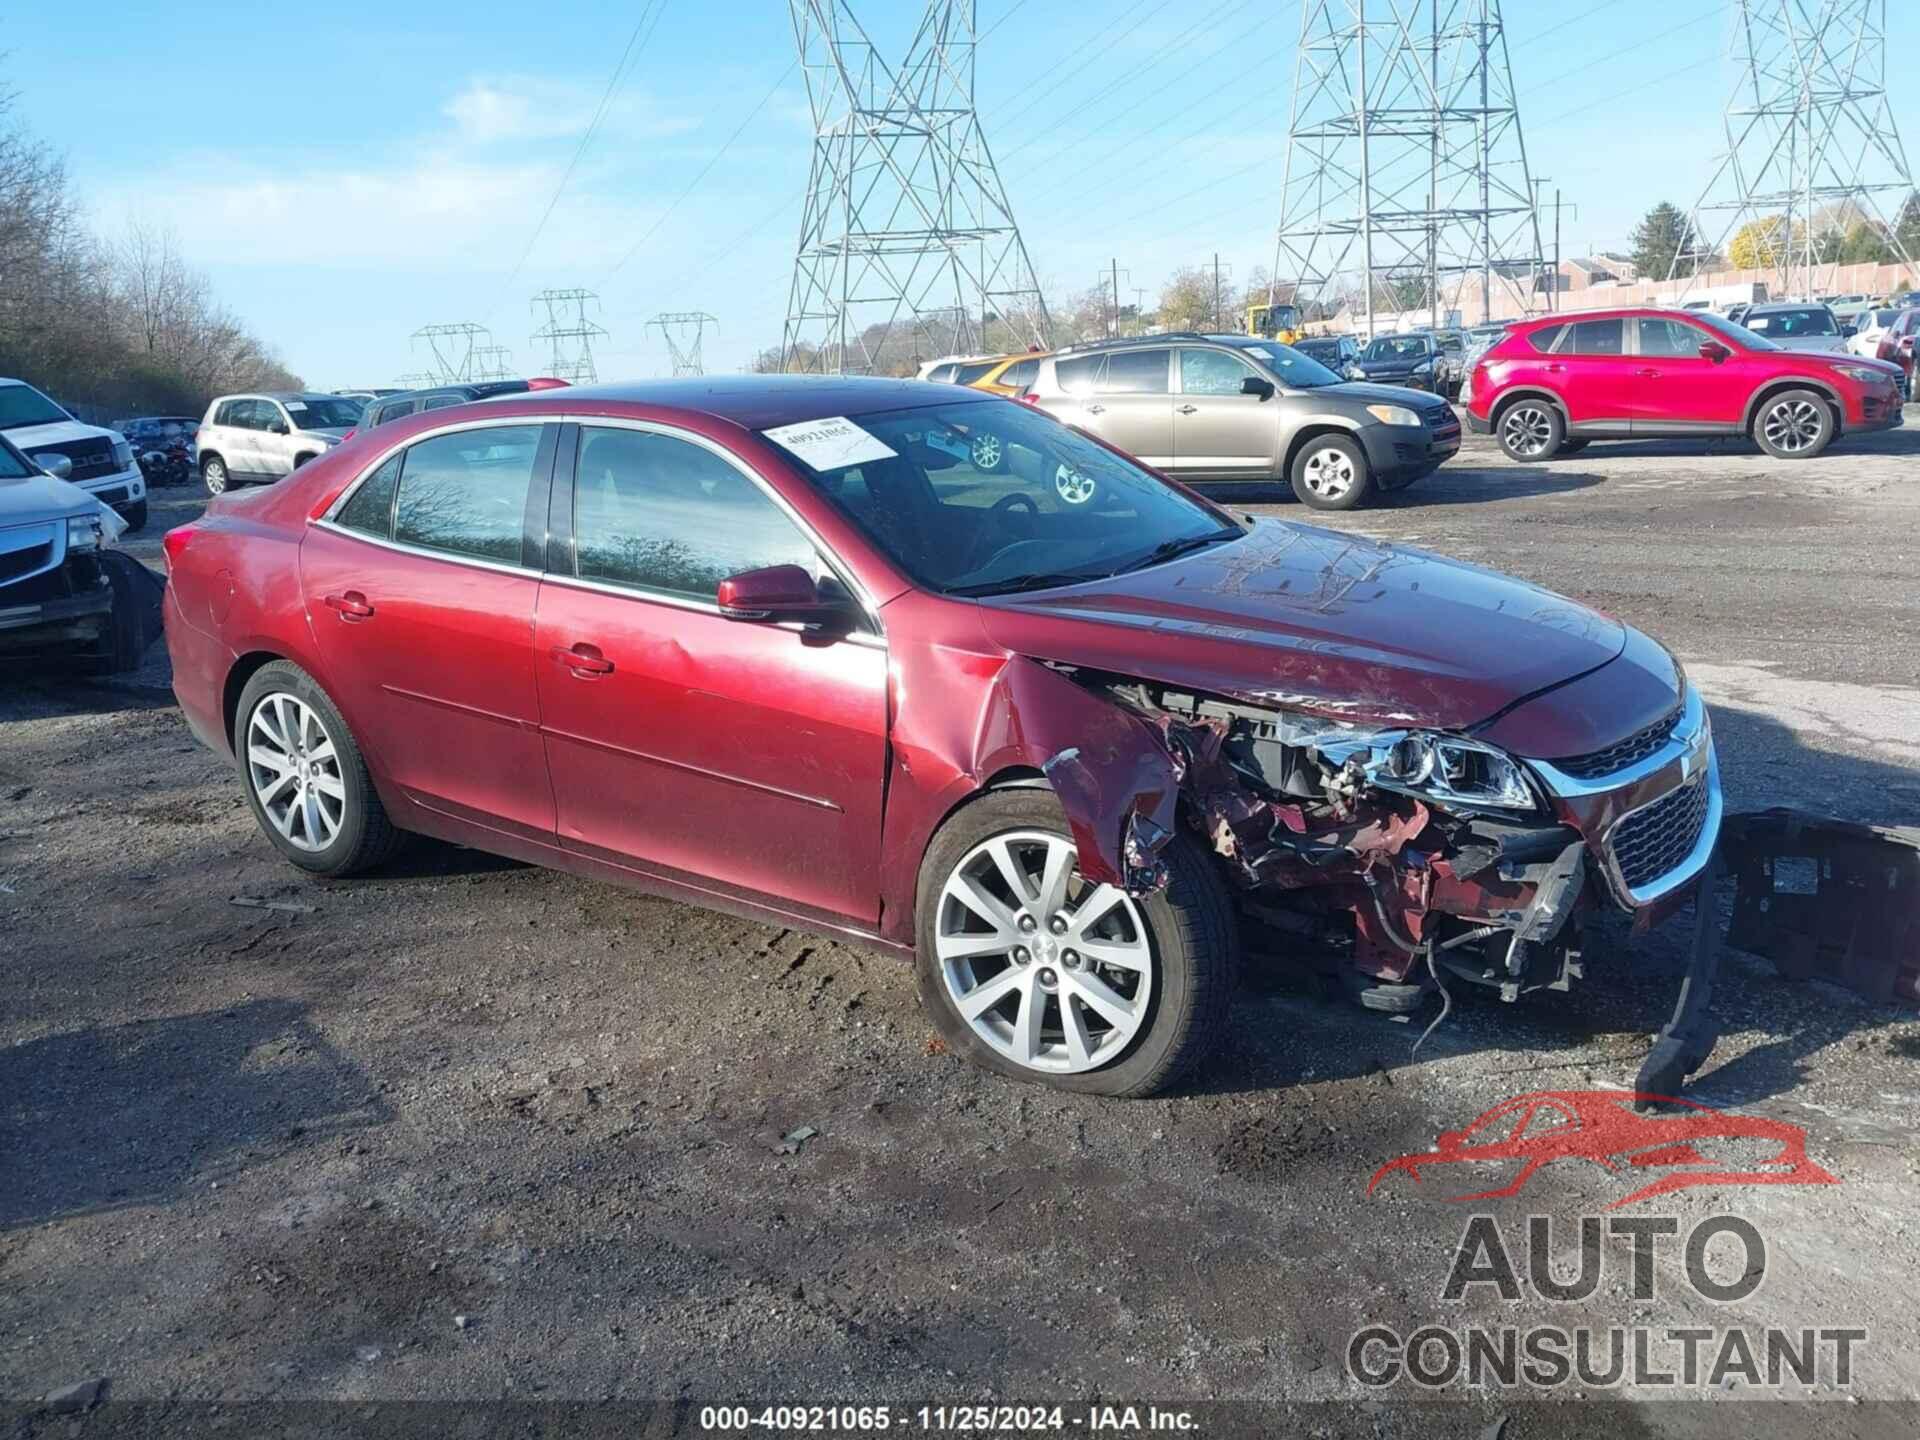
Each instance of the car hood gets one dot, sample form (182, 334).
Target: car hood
(35, 498)
(32, 437)
(1324, 622)
(1816, 345)
(1359, 390)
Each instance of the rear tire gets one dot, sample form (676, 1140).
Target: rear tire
(1530, 430)
(136, 517)
(319, 807)
(213, 470)
(1794, 425)
(1183, 998)
(1331, 473)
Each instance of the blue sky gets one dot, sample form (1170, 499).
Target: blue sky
(347, 176)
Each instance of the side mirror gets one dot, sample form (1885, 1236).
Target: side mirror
(278, 427)
(776, 593)
(58, 466)
(1713, 350)
(1254, 385)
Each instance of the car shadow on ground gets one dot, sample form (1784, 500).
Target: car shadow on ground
(142, 1112)
(1466, 485)
(1601, 1029)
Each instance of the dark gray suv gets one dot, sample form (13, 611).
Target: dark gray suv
(1237, 407)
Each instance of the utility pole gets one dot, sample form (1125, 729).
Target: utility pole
(1219, 320)
(686, 357)
(569, 334)
(453, 348)
(1116, 298)
(907, 224)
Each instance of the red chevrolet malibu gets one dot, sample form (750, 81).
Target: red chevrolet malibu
(1061, 731)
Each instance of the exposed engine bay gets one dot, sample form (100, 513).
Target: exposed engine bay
(1390, 852)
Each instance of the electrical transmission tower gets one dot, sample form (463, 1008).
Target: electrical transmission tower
(569, 334)
(492, 362)
(1406, 181)
(1811, 143)
(908, 245)
(453, 348)
(686, 355)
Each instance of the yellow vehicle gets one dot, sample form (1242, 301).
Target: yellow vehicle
(1008, 375)
(1275, 322)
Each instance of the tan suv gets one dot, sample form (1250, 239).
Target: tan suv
(257, 439)
(1238, 407)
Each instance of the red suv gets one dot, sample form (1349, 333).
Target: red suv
(1554, 384)
(777, 645)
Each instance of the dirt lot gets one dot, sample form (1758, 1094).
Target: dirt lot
(275, 1152)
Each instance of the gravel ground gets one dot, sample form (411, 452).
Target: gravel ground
(279, 1153)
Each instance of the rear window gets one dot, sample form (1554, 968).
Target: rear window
(967, 374)
(940, 374)
(1595, 337)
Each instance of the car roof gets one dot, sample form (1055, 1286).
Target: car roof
(1787, 305)
(758, 402)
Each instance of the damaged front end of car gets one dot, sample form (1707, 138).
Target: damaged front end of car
(1399, 858)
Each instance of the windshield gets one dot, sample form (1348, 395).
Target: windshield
(23, 405)
(1739, 334)
(1299, 371)
(1387, 347)
(331, 412)
(989, 499)
(1790, 324)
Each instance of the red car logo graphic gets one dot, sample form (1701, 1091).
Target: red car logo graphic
(1601, 1126)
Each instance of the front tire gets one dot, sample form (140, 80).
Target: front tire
(304, 776)
(1531, 431)
(1794, 425)
(213, 470)
(1030, 971)
(1331, 473)
(136, 517)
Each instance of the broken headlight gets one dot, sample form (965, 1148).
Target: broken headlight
(1449, 771)
(84, 532)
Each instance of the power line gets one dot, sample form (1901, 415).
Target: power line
(1587, 65)
(1007, 122)
(654, 9)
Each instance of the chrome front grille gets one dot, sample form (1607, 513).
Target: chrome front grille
(1657, 839)
(1619, 756)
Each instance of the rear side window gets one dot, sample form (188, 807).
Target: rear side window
(466, 493)
(441, 402)
(1595, 337)
(967, 374)
(940, 374)
(1078, 376)
(370, 510)
(1136, 372)
(658, 513)
(1543, 338)
(393, 410)
(1020, 375)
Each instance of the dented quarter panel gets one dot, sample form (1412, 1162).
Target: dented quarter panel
(1321, 622)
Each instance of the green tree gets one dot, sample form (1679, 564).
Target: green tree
(1665, 243)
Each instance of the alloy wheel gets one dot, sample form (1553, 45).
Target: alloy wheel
(1526, 430)
(1793, 426)
(1053, 972)
(1071, 485)
(1328, 473)
(294, 769)
(215, 474)
(986, 452)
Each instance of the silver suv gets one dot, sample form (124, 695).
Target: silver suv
(256, 439)
(1237, 407)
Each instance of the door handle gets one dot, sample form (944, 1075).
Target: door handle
(352, 605)
(1555, 369)
(1096, 409)
(1646, 374)
(584, 660)
(1189, 409)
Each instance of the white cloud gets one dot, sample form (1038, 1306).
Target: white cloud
(489, 110)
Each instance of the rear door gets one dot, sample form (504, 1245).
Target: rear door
(1132, 405)
(420, 588)
(1595, 375)
(1218, 429)
(725, 754)
(240, 439)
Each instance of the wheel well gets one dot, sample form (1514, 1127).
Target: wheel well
(206, 455)
(303, 457)
(1777, 387)
(243, 670)
(1313, 432)
(1507, 402)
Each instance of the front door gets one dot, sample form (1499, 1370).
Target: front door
(421, 602)
(1131, 405)
(729, 755)
(1679, 388)
(1217, 428)
(1595, 375)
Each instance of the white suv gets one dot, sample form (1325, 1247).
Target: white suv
(97, 460)
(256, 439)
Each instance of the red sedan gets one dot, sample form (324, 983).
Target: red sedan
(774, 645)
(1551, 386)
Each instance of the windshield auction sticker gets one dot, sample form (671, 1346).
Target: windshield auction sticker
(829, 444)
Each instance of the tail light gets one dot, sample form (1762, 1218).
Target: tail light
(1027, 397)
(174, 544)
